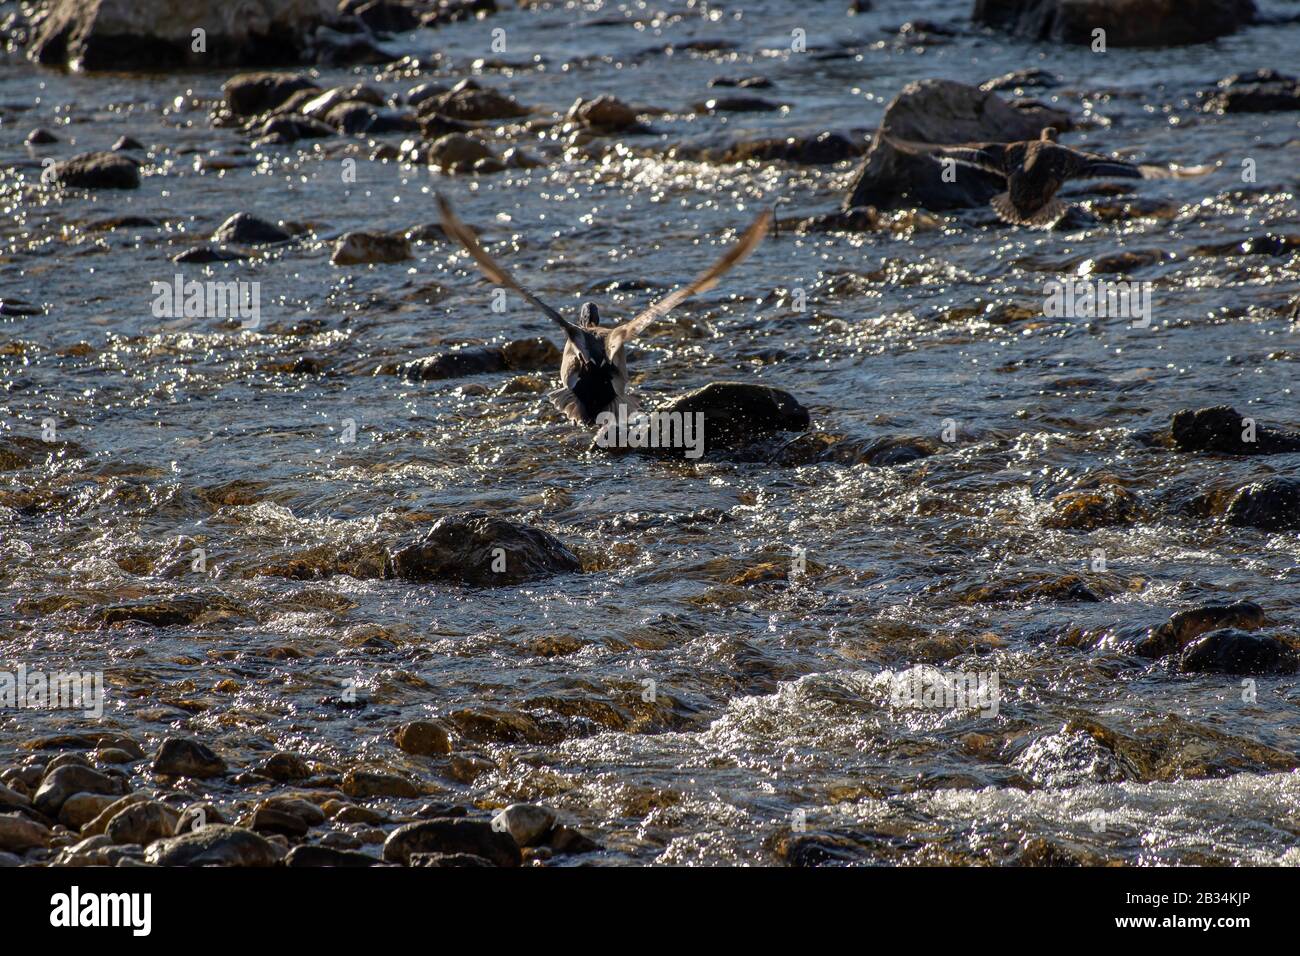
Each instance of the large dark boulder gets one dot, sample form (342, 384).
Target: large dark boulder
(1185, 626)
(1126, 22)
(898, 173)
(159, 34)
(1223, 429)
(1230, 651)
(1270, 505)
(483, 550)
(735, 416)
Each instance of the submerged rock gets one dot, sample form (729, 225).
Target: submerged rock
(452, 836)
(1230, 651)
(1264, 91)
(104, 170)
(1185, 626)
(604, 114)
(1224, 429)
(483, 550)
(1270, 505)
(246, 229)
(469, 101)
(360, 248)
(249, 94)
(214, 845)
(737, 415)
(1153, 23)
(159, 34)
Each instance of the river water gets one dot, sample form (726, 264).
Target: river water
(773, 707)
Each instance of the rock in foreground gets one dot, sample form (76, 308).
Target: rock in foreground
(482, 550)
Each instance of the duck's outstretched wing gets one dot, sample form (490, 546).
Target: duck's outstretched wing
(1096, 166)
(747, 243)
(495, 271)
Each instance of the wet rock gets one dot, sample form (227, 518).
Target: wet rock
(1224, 429)
(896, 175)
(266, 819)
(359, 248)
(19, 834)
(289, 128)
(359, 784)
(386, 16)
(286, 803)
(425, 738)
(1270, 505)
(82, 808)
(604, 114)
(530, 355)
(163, 612)
(944, 111)
(301, 856)
(142, 823)
(332, 48)
(215, 845)
(457, 363)
(493, 725)
(1230, 651)
(183, 757)
(246, 229)
(1151, 23)
(475, 837)
(737, 415)
(571, 841)
(1019, 79)
(744, 83)
(1264, 91)
(736, 104)
(450, 860)
(528, 823)
(482, 550)
(1185, 626)
(11, 799)
(98, 171)
(284, 767)
(206, 254)
(197, 816)
(40, 137)
(250, 94)
(70, 779)
(1087, 509)
(434, 125)
(100, 823)
(814, 149)
(457, 150)
(124, 143)
(425, 91)
(468, 101)
(158, 34)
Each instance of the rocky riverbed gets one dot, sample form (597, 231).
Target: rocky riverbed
(955, 580)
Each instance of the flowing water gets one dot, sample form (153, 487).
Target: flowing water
(773, 707)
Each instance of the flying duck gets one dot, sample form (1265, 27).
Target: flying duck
(593, 369)
(1036, 168)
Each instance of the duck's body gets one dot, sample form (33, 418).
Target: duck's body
(1035, 169)
(593, 368)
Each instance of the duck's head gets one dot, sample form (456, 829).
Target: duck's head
(589, 316)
